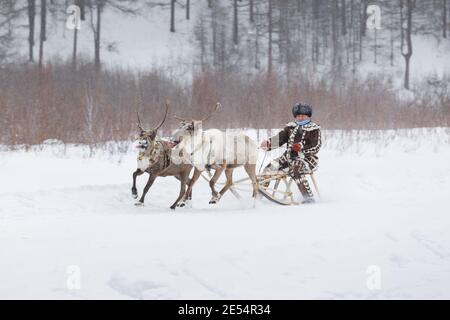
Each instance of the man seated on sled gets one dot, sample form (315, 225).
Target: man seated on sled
(303, 140)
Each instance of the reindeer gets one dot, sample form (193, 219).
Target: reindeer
(155, 159)
(214, 149)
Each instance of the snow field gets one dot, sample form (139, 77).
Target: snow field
(384, 204)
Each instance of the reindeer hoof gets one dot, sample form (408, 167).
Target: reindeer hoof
(214, 200)
(134, 195)
(139, 204)
(172, 207)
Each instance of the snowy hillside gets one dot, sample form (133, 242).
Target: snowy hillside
(384, 204)
(137, 41)
(143, 40)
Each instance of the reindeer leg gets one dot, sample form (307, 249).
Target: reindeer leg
(183, 178)
(189, 196)
(150, 181)
(213, 181)
(251, 171)
(190, 185)
(212, 184)
(228, 184)
(134, 192)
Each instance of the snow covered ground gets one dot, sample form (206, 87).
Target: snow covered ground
(383, 219)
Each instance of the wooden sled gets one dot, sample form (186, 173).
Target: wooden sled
(274, 186)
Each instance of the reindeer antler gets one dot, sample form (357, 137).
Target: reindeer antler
(178, 118)
(139, 99)
(165, 116)
(139, 121)
(218, 105)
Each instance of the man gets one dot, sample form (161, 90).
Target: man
(303, 140)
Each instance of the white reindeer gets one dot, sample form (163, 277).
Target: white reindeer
(218, 150)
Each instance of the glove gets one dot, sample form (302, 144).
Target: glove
(296, 147)
(265, 145)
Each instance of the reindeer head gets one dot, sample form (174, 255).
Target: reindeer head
(188, 126)
(146, 138)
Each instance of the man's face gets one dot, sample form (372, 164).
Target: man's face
(301, 117)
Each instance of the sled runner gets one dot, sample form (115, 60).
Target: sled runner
(274, 186)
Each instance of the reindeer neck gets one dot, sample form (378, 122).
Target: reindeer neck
(159, 155)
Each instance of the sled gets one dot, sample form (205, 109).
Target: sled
(274, 186)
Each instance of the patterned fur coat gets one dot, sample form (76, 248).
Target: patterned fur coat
(307, 136)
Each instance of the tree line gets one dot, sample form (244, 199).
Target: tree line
(256, 57)
(88, 106)
(327, 36)
(283, 36)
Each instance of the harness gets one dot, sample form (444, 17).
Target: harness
(159, 153)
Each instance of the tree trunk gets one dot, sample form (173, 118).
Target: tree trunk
(406, 39)
(334, 31)
(407, 71)
(315, 47)
(74, 51)
(42, 36)
(202, 43)
(235, 23)
(391, 31)
(375, 47)
(172, 15)
(82, 5)
(362, 29)
(270, 31)
(223, 43)
(343, 17)
(444, 18)
(364, 18)
(97, 34)
(214, 33)
(188, 9)
(252, 18)
(31, 20)
(353, 36)
(257, 64)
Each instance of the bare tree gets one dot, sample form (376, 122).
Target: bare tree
(343, 17)
(96, 28)
(235, 23)
(188, 9)
(444, 18)
(334, 23)
(270, 34)
(172, 15)
(200, 34)
(82, 5)
(406, 11)
(364, 4)
(9, 12)
(42, 36)
(97, 7)
(214, 17)
(31, 18)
